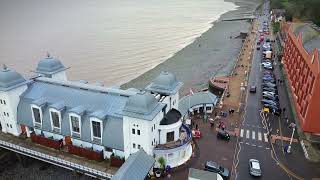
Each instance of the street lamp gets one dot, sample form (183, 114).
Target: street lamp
(293, 130)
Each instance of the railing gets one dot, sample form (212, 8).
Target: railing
(176, 146)
(54, 160)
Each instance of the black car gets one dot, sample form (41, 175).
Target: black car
(270, 98)
(221, 134)
(253, 89)
(269, 102)
(216, 168)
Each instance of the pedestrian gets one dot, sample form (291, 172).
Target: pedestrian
(287, 120)
(284, 110)
(277, 132)
(196, 126)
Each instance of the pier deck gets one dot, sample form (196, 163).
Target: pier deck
(60, 158)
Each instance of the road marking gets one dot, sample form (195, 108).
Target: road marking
(253, 135)
(241, 133)
(247, 143)
(267, 148)
(260, 146)
(259, 136)
(247, 135)
(265, 137)
(253, 145)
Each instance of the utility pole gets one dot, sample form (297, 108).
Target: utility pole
(293, 130)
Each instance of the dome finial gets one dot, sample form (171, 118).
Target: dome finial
(48, 55)
(4, 67)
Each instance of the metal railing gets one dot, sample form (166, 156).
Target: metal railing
(54, 160)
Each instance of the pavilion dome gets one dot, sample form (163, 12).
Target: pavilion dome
(165, 80)
(10, 78)
(142, 103)
(49, 65)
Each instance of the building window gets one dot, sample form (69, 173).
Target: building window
(4, 102)
(8, 114)
(151, 143)
(208, 108)
(55, 119)
(139, 146)
(138, 132)
(0, 101)
(96, 129)
(36, 115)
(154, 126)
(10, 126)
(75, 126)
(152, 129)
(170, 136)
(134, 145)
(133, 131)
(4, 113)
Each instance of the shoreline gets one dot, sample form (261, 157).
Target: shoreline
(212, 53)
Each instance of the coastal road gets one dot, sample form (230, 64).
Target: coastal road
(253, 140)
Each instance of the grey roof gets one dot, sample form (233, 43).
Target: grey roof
(202, 175)
(136, 166)
(87, 102)
(171, 117)
(10, 79)
(58, 105)
(197, 99)
(49, 66)
(165, 83)
(313, 44)
(142, 105)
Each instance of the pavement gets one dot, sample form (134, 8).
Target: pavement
(253, 141)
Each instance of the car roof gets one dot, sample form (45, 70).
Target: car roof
(255, 164)
(212, 164)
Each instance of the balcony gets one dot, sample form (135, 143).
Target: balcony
(182, 143)
(51, 143)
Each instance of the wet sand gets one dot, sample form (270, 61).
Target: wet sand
(213, 53)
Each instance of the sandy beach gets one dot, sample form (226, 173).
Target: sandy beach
(213, 53)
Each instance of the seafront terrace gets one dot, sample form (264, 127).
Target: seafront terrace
(61, 158)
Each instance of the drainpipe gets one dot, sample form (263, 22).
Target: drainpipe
(159, 135)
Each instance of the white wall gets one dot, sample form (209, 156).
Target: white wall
(60, 76)
(171, 103)
(164, 129)
(147, 136)
(12, 100)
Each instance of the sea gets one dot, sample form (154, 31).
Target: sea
(107, 41)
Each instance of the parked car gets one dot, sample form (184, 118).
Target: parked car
(268, 67)
(221, 134)
(266, 64)
(270, 89)
(270, 98)
(216, 168)
(258, 47)
(266, 102)
(254, 167)
(253, 89)
(269, 84)
(269, 93)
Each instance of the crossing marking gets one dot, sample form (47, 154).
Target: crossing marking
(259, 136)
(248, 134)
(253, 135)
(241, 133)
(265, 137)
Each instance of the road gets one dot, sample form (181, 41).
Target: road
(253, 142)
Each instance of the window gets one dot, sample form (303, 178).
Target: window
(133, 131)
(134, 145)
(208, 108)
(10, 126)
(55, 119)
(170, 136)
(36, 115)
(4, 102)
(138, 132)
(151, 143)
(8, 114)
(75, 124)
(0, 101)
(139, 146)
(4, 113)
(96, 129)
(152, 129)
(154, 126)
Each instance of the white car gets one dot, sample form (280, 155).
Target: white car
(266, 64)
(254, 167)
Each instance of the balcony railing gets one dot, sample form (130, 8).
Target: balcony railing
(176, 145)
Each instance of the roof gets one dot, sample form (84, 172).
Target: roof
(49, 66)
(165, 83)
(136, 166)
(171, 117)
(142, 105)
(196, 99)
(203, 175)
(86, 102)
(10, 79)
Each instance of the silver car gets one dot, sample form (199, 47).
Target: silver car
(254, 167)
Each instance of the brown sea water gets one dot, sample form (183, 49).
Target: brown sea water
(102, 40)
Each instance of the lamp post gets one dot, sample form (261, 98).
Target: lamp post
(293, 130)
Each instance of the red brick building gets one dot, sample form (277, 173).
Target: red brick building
(302, 65)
